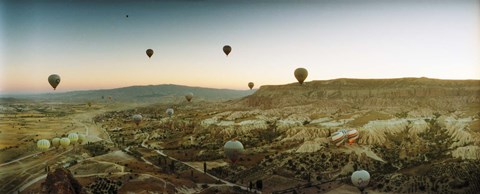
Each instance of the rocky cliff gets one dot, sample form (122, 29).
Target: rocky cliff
(448, 94)
(61, 181)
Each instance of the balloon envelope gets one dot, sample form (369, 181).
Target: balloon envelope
(56, 142)
(73, 137)
(360, 178)
(137, 119)
(189, 96)
(65, 142)
(250, 85)
(81, 138)
(301, 74)
(54, 80)
(233, 149)
(170, 112)
(149, 53)
(227, 49)
(43, 144)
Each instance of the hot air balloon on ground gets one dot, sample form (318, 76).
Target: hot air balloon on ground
(65, 142)
(360, 179)
(54, 80)
(352, 136)
(233, 149)
(189, 96)
(56, 142)
(170, 112)
(344, 136)
(81, 138)
(301, 74)
(137, 119)
(227, 49)
(338, 138)
(250, 85)
(43, 144)
(73, 137)
(149, 53)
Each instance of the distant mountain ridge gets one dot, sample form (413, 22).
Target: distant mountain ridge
(150, 93)
(369, 92)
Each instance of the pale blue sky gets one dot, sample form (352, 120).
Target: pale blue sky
(93, 45)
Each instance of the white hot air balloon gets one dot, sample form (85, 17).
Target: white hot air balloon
(64, 142)
(360, 179)
(73, 138)
(56, 142)
(43, 144)
(137, 119)
(170, 112)
(233, 149)
(338, 138)
(352, 136)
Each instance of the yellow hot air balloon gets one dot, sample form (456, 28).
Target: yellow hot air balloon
(81, 138)
(227, 49)
(64, 142)
(149, 53)
(56, 142)
(250, 85)
(43, 144)
(54, 80)
(301, 74)
(73, 137)
(189, 96)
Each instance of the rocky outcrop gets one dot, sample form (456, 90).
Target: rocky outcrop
(62, 181)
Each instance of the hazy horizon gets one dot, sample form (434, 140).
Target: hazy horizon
(93, 45)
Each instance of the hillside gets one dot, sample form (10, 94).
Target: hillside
(449, 94)
(150, 93)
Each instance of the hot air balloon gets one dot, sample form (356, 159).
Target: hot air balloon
(73, 137)
(233, 149)
(149, 53)
(250, 85)
(338, 138)
(56, 142)
(189, 96)
(301, 74)
(81, 138)
(126, 16)
(43, 144)
(352, 136)
(64, 142)
(360, 179)
(170, 112)
(54, 80)
(227, 49)
(137, 119)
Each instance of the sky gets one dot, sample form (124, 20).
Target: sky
(93, 45)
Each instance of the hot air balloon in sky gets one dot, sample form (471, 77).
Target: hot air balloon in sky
(250, 85)
(137, 119)
(43, 144)
(54, 80)
(227, 49)
(149, 53)
(301, 74)
(233, 149)
(189, 96)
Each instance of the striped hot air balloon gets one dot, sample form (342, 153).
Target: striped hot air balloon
(338, 138)
(352, 136)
